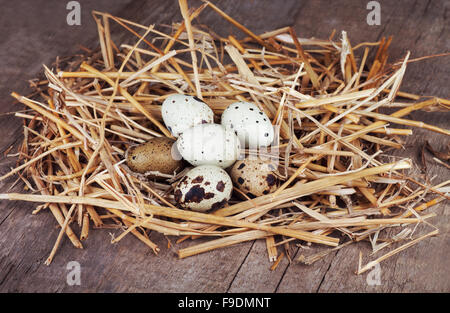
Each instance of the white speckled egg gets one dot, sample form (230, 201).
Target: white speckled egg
(180, 112)
(209, 144)
(203, 188)
(249, 123)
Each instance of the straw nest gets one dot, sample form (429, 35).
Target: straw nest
(339, 186)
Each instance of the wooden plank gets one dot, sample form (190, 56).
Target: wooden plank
(256, 268)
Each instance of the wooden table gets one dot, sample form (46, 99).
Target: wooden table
(35, 32)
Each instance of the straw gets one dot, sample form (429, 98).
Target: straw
(325, 100)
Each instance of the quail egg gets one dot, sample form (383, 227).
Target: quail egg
(203, 188)
(209, 144)
(254, 176)
(157, 154)
(249, 123)
(180, 112)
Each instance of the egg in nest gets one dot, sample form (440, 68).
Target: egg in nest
(209, 144)
(204, 188)
(249, 123)
(255, 176)
(180, 112)
(159, 154)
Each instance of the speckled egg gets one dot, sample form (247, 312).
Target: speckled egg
(209, 144)
(180, 112)
(157, 154)
(249, 123)
(254, 176)
(204, 188)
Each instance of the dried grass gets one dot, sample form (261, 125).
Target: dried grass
(331, 134)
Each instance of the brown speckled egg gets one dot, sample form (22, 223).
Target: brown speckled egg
(204, 188)
(254, 176)
(154, 155)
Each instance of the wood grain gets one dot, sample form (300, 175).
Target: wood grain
(34, 33)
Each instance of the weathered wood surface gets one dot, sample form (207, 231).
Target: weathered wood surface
(35, 32)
